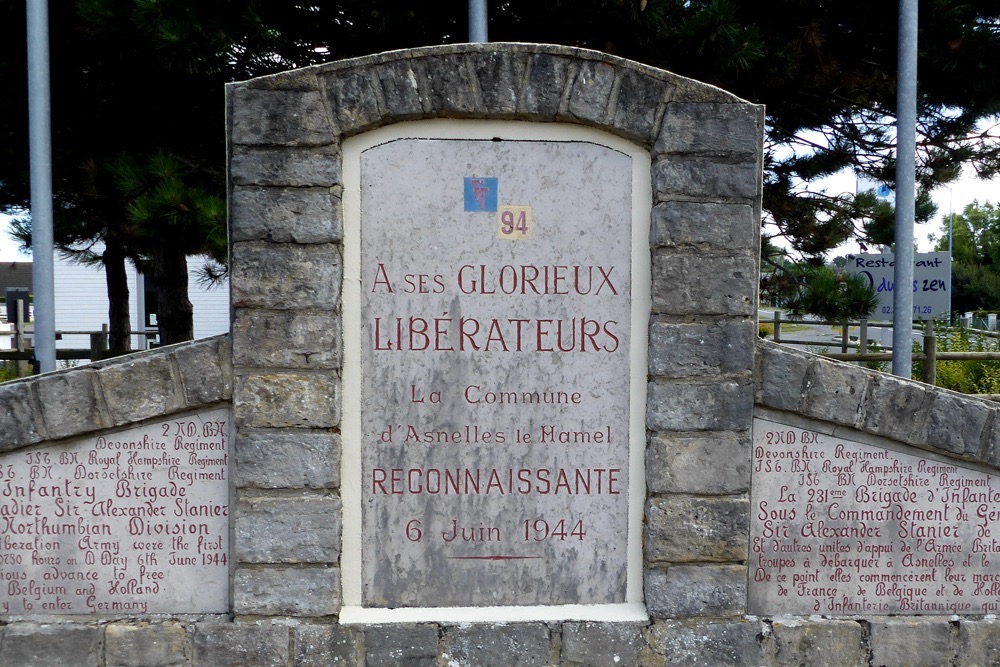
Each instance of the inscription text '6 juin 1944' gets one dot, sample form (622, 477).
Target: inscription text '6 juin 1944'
(495, 306)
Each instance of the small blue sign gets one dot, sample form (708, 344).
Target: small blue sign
(883, 190)
(480, 194)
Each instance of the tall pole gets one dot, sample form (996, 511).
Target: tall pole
(906, 149)
(40, 151)
(477, 21)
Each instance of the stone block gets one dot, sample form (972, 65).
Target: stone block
(287, 400)
(404, 88)
(704, 285)
(638, 105)
(725, 405)
(49, 645)
(591, 91)
(69, 403)
(978, 641)
(142, 387)
(696, 590)
(500, 75)
(288, 530)
(834, 392)
(782, 375)
(716, 463)
(240, 644)
(599, 644)
(498, 645)
(710, 129)
(702, 224)
(956, 423)
(697, 644)
(889, 398)
(452, 87)
(681, 528)
(286, 339)
(823, 643)
(353, 98)
(278, 118)
(913, 642)
(546, 82)
(286, 166)
(285, 215)
(17, 416)
(285, 276)
(411, 645)
(700, 350)
(288, 459)
(286, 591)
(205, 369)
(326, 646)
(713, 179)
(146, 645)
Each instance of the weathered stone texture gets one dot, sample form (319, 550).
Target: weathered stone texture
(289, 167)
(286, 339)
(240, 644)
(126, 388)
(282, 215)
(712, 179)
(834, 392)
(353, 99)
(704, 285)
(911, 642)
(956, 423)
(696, 590)
(717, 463)
(547, 77)
(283, 400)
(711, 225)
(891, 397)
(683, 528)
(453, 90)
(825, 643)
(205, 369)
(286, 591)
(699, 350)
(489, 645)
(781, 376)
(292, 460)
(146, 645)
(591, 91)
(288, 530)
(327, 646)
(278, 275)
(44, 645)
(710, 129)
(17, 417)
(404, 88)
(598, 644)
(500, 76)
(978, 641)
(724, 405)
(279, 117)
(699, 644)
(69, 403)
(412, 645)
(638, 105)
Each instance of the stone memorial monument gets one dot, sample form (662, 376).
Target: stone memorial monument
(493, 395)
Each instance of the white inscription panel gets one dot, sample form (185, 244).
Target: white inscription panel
(130, 522)
(495, 318)
(844, 528)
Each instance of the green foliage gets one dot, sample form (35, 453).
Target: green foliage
(968, 377)
(821, 291)
(975, 256)
(8, 371)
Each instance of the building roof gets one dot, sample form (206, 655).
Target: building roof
(14, 274)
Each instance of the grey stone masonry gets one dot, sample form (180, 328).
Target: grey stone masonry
(117, 392)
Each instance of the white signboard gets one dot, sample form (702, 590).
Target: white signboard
(931, 282)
